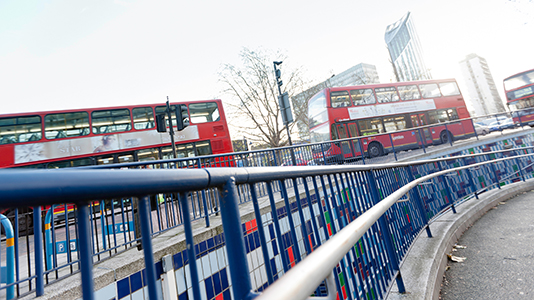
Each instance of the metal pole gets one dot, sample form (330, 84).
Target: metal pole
(38, 253)
(171, 131)
(86, 255)
(279, 84)
(146, 240)
(235, 244)
(190, 243)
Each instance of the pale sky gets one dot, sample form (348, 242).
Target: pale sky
(62, 54)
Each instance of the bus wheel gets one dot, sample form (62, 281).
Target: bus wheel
(374, 150)
(444, 137)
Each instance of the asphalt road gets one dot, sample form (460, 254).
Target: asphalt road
(499, 255)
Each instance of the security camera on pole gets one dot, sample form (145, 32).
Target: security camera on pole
(285, 107)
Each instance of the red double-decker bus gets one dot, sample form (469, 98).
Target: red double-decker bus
(372, 112)
(80, 137)
(519, 90)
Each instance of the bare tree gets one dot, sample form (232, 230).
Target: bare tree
(253, 92)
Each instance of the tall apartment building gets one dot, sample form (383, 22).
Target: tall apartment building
(357, 75)
(405, 50)
(483, 97)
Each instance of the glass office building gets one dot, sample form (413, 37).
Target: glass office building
(405, 50)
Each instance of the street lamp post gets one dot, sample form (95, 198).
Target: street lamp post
(285, 107)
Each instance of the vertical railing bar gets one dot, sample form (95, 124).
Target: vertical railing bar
(261, 232)
(292, 231)
(368, 242)
(312, 213)
(146, 240)
(305, 238)
(38, 253)
(387, 236)
(447, 189)
(206, 214)
(278, 231)
(190, 243)
(235, 244)
(419, 202)
(85, 255)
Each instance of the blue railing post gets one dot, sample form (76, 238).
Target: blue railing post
(447, 189)
(38, 252)
(235, 243)
(146, 241)
(190, 243)
(449, 134)
(492, 165)
(422, 141)
(10, 256)
(205, 203)
(261, 232)
(419, 202)
(393, 147)
(278, 231)
(470, 177)
(474, 129)
(387, 234)
(85, 251)
(303, 228)
(361, 150)
(292, 230)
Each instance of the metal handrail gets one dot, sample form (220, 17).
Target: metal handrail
(302, 279)
(74, 185)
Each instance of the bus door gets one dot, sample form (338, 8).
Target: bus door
(421, 120)
(353, 133)
(346, 147)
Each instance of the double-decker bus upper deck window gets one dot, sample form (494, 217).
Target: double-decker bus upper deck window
(409, 92)
(519, 80)
(370, 126)
(363, 96)
(430, 90)
(449, 89)
(386, 94)
(317, 110)
(143, 117)
(339, 99)
(163, 110)
(394, 123)
(204, 112)
(64, 125)
(20, 129)
(106, 121)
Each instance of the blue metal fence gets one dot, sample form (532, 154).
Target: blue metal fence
(306, 207)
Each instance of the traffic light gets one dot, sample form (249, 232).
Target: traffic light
(182, 117)
(160, 123)
(285, 108)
